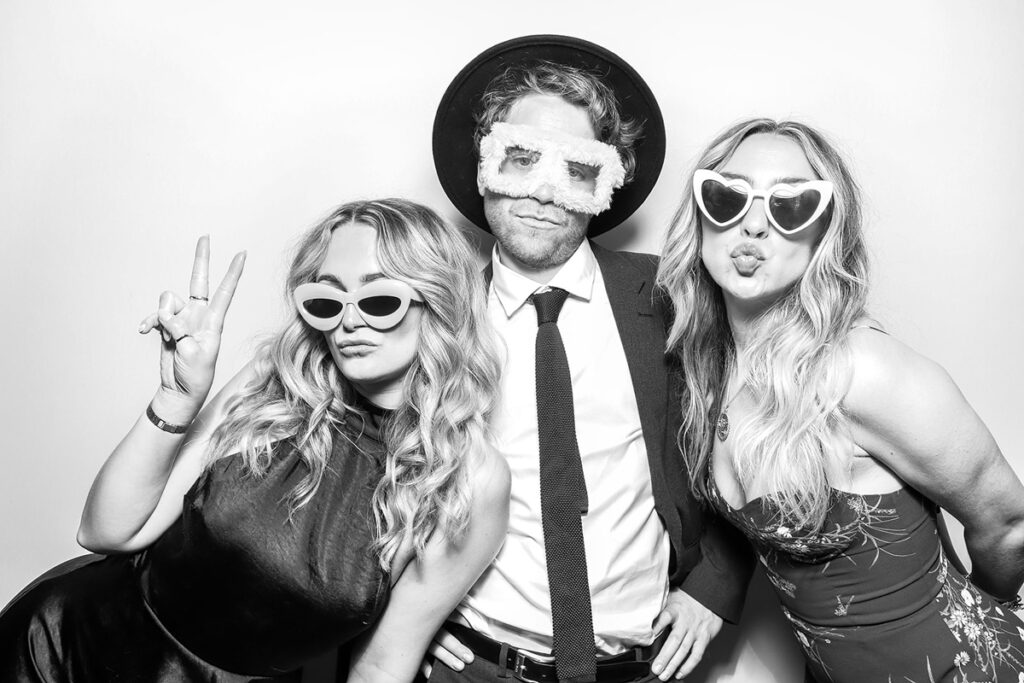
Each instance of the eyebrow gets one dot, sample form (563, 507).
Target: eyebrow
(330, 279)
(789, 180)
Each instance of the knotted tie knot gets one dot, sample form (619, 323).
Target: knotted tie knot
(549, 304)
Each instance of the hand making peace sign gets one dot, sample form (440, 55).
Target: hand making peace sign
(192, 329)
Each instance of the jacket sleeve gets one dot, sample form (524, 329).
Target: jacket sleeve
(720, 578)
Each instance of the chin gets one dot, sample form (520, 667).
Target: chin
(374, 372)
(543, 249)
(741, 288)
(360, 369)
(529, 254)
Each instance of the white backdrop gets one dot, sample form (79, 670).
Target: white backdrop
(127, 129)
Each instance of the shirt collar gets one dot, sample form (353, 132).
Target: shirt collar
(576, 276)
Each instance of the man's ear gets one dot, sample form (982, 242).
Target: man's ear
(479, 181)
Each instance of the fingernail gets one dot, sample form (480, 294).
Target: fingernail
(167, 337)
(459, 666)
(656, 668)
(142, 328)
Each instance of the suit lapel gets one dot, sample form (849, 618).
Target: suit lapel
(641, 330)
(641, 326)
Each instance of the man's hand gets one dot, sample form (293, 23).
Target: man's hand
(693, 626)
(447, 649)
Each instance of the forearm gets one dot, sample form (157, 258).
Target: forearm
(428, 587)
(129, 485)
(365, 672)
(997, 558)
(394, 666)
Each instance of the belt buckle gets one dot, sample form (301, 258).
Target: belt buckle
(518, 667)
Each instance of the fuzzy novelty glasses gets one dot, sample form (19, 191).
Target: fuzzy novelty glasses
(520, 161)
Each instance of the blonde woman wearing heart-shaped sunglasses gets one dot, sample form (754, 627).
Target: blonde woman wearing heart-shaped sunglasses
(826, 441)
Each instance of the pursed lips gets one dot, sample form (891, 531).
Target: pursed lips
(355, 347)
(747, 249)
(747, 258)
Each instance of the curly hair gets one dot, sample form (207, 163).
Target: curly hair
(300, 395)
(798, 360)
(576, 86)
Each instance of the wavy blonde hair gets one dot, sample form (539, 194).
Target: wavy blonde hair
(798, 359)
(450, 389)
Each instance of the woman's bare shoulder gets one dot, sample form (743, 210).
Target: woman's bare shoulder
(490, 479)
(884, 369)
(903, 407)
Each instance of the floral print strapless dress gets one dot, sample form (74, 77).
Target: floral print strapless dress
(873, 598)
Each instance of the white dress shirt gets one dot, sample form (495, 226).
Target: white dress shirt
(627, 545)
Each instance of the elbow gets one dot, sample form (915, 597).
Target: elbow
(1013, 538)
(88, 540)
(93, 541)
(1005, 537)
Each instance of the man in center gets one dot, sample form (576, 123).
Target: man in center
(609, 571)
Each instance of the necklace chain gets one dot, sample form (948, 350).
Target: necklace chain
(722, 426)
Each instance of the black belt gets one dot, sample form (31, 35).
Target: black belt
(630, 665)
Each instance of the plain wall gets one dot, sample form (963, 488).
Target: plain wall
(128, 129)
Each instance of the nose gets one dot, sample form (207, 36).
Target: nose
(351, 319)
(755, 223)
(545, 194)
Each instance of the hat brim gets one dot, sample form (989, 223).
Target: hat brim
(455, 158)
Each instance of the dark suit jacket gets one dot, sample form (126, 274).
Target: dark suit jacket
(710, 560)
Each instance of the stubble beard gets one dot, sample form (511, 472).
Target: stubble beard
(540, 254)
(533, 248)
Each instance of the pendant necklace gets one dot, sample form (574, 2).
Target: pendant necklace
(722, 426)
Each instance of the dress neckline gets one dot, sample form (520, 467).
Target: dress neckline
(834, 492)
(372, 416)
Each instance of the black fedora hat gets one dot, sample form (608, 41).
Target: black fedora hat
(456, 159)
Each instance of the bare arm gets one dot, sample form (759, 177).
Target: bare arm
(137, 493)
(909, 414)
(430, 587)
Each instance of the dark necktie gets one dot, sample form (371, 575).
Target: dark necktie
(563, 499)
